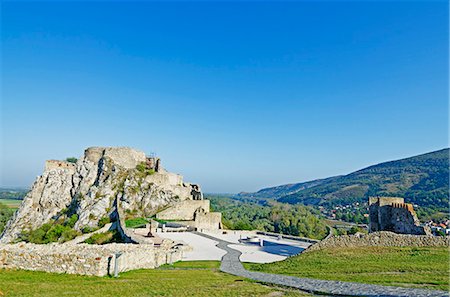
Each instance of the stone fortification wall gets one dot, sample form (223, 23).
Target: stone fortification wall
(382, 201)
(122, 156)
(208, 221)
(382, 238)
(85, 259)
(56, 164)
(183, 211)
(171, 182)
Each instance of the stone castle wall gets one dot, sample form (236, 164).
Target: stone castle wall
(183, 211)
(123, 156)
(84, 259)
(382, 238)
(208, 221)
(56, 164)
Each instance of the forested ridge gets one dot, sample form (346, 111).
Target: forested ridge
(422, 180)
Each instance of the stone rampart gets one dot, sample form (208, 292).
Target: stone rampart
(123, 156)
(85, 259)
(208, 221)
(56, 164)
(183, 211)
(383, 238)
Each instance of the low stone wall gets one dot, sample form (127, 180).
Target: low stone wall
(85, 259)
(382, 238)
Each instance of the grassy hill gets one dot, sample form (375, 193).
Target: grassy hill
(422, 180)
(423, 267)
(200, 278)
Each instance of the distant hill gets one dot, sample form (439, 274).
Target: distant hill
(423, 180)
(283, 190)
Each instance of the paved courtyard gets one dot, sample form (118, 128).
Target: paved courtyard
(206, 249)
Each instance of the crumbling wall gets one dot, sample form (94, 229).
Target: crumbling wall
(392, 214)
(85, 259)
(183, 210)
(382, 238)
(208, 221)
(56, 164)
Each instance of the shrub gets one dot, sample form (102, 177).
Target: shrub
(103, 221)
(71, 160)
(54, 233)
(104, 238)
(144, 169)
(72, 220)
(36, 236)
(50, 233)
(68, 234)
(88, 229)
(141, 167)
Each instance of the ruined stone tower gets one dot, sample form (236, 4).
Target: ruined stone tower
(393, 214)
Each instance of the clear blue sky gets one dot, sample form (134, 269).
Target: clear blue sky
(234, 96)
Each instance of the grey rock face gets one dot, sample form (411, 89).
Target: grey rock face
(91, 187)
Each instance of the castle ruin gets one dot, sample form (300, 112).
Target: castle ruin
(393, 214)
(109, 184)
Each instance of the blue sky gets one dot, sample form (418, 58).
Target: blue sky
(235, 96)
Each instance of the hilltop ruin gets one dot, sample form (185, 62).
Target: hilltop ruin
(393, 214)
(97, 194)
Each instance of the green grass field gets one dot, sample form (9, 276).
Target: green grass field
(395, 266)
(11, 203)
(199, 278)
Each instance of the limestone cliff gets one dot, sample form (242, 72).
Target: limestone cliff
(92, 188)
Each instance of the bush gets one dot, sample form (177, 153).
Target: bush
(68, 234)
(88, 229)
(50, 233)
(55, 231)
(141, 167)
(71, 160)
(36, 236)
(104, 238)
(103, 221)
(71, 222)
(144, 169)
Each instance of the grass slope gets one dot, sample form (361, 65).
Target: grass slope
(11, 203)
(395, 266)
(200, 278)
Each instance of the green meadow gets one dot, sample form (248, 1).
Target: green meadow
(425, 267)
(199, 278)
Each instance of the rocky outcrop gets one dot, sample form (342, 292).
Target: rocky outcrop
(102, 181)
